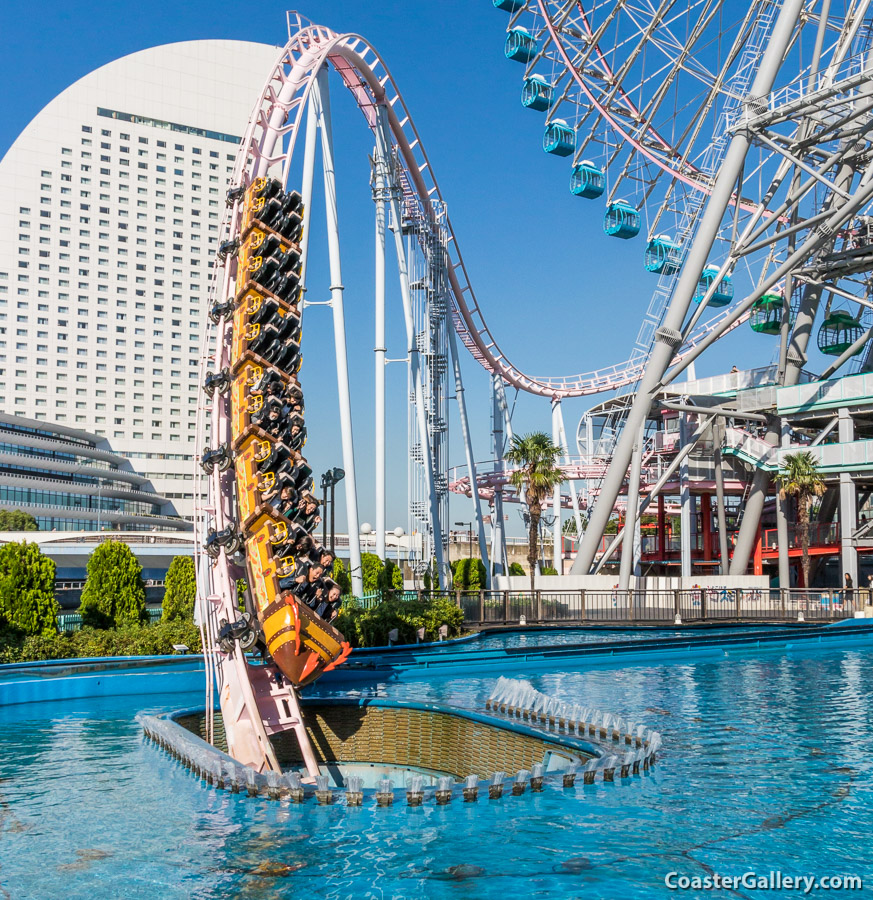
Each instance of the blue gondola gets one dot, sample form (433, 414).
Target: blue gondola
(621, 220)
(663, 256)
(559, 138)
(838, 332)
(536, 93)
(724, 293)
(520, 45)
(586, 180)
(509, 5)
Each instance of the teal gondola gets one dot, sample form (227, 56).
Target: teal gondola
(586, 180)
(559, 138)
(520, 45)
(838, 332)
(536, 93)
(663, 256)
(509, 5)
(621, 220)
(722, 295)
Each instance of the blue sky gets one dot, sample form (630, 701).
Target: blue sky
(560, 296)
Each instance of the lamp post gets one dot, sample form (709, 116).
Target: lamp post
(398, 533)
(469, 534)
(330, 479)
(366, 531)
(325, 484)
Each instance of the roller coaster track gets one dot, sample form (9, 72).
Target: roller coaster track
(368, 79)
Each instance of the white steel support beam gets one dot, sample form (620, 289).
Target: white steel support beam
(498, 540)
(557, 561)
(415, 368)
(321, 99)
(468, 451)
(574, 497)
(306, 191)
(719, 501)
(380, 350)
(686, 510)
(848, 504)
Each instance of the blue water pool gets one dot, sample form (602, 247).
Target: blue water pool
(766, 767)
(551, 637)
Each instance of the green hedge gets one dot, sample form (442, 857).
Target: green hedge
(180, 591)
(27, 581)
(114, 592)
(131, 640)
(370, 627)
(469, 574)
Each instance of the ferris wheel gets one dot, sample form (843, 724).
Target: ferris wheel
(732, 141)
(642, 100)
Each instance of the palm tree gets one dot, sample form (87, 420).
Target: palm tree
(535, 458)
(800, 478)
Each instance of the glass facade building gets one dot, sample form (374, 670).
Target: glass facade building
(72, 480)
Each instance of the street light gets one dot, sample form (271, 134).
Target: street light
(471, 534)
(330, 479)
(366, 531)
(398, 533)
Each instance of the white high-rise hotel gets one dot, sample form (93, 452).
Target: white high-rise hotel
(110, 205)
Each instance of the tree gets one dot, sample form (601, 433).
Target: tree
(535, 458)
(470, 574)
(17, 520)
(341, 577)
(800, 478)
(371, 570)
(390, 578)
(114, 592)
(516, 569)
(27, 589)
(180, 591)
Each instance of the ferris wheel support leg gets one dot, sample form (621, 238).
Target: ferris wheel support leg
(468, 450)
(321, 98)
(415, 368)
(754, 506)
(669, 334)
(632, 514)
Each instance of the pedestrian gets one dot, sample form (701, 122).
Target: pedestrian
(847, 595)
(870, 590)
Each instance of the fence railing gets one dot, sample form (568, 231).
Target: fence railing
(73, 621)
(647, 607)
